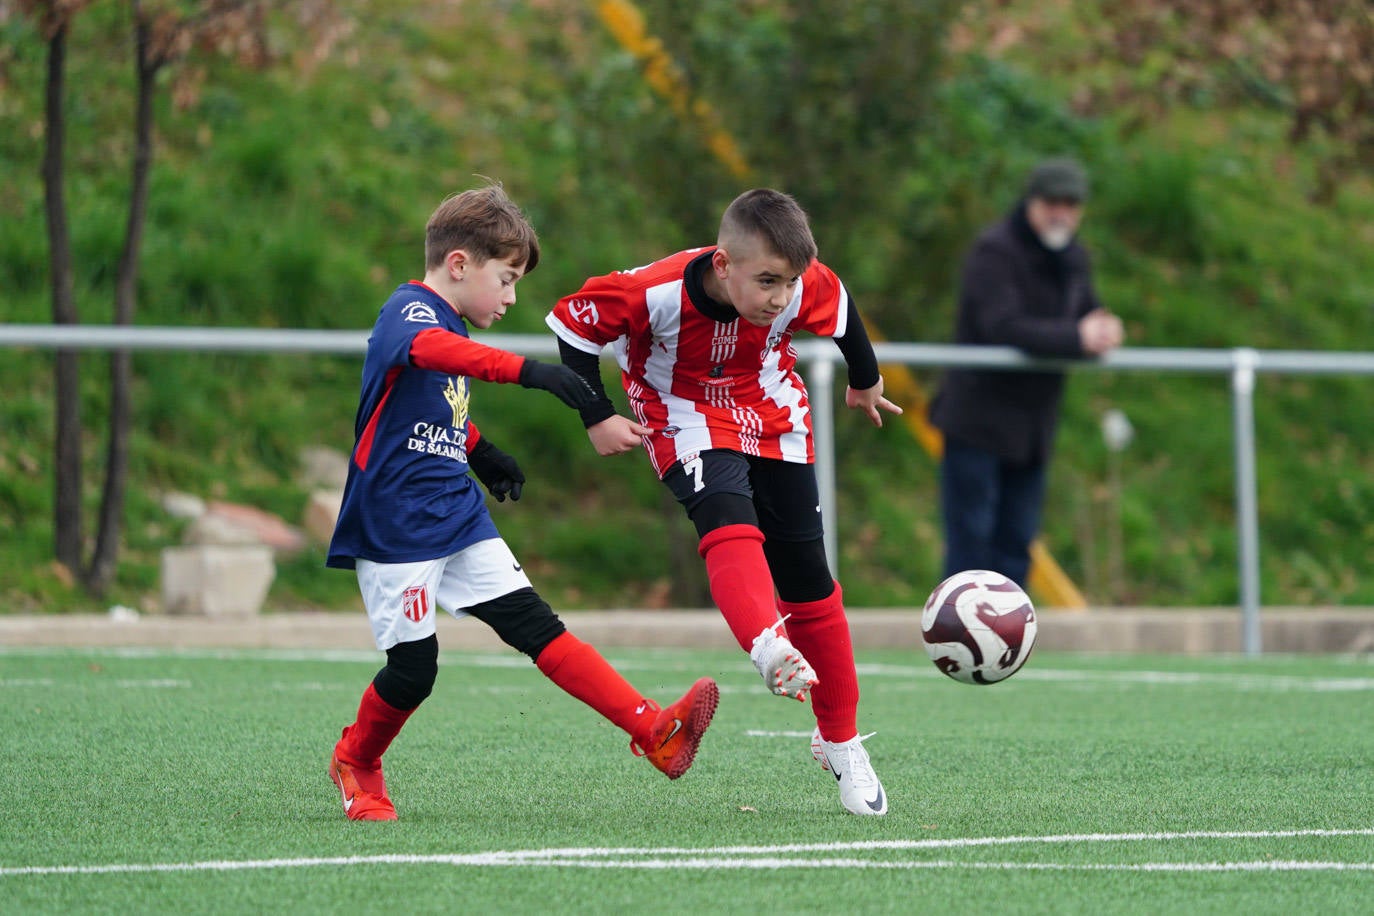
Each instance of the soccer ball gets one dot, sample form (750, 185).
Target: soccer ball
(978, 626)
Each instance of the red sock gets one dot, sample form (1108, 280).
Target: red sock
(364, 742)
(820, 632)
(580, 670)
(741, 584)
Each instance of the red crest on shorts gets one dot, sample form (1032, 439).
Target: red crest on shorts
(415, 602)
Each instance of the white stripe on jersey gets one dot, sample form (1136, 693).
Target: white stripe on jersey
(665, 322)
(664, 303)
(786, 395)
(842, 319)
(750, 428)
(689, 440)
(778, 388)
(724, 340)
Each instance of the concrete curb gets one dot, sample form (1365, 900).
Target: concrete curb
(1180, 631)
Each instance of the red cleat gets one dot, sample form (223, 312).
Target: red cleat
(364, 791)
(677, 730)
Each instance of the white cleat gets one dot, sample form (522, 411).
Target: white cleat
(782, 667)
(860, 790)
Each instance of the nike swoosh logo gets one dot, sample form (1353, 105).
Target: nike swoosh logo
(677, 727)
(517, 567)
(877, 803)
(639, 710)
(836, 772)
(348, 804)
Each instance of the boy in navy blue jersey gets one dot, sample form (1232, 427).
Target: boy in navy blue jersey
(415, 526)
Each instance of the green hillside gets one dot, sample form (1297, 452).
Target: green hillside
(295, 196)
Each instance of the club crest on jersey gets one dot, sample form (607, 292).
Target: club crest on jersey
(671, 431)
(458, 396)
(420, 312)
(415, 602)
(583, 311)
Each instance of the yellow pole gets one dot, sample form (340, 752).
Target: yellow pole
(624, 20)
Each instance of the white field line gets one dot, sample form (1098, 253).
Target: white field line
(512, 660)
(768, 857)
(125, 683)
(1192, 678)
(1239, 681)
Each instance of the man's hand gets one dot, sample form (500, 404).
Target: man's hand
(1100, 331)
(570, 387)
(616, 435)
(498, 471)
(869, 400)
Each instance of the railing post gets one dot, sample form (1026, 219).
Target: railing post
(1247, 509)
(820, 379)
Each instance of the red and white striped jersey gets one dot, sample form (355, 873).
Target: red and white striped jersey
(699, 383)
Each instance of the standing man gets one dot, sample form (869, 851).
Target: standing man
(1027, 283)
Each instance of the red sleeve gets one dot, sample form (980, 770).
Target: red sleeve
(474, 435)
(604, 309)
(445, 351)
(825, 302)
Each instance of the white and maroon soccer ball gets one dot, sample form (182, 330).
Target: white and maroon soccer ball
(979, 627)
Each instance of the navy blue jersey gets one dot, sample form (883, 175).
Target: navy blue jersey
(409, 496)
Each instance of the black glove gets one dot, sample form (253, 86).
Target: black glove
(570, 387)
(498, 471)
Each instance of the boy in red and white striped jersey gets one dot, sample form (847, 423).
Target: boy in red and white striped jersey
(704, 343)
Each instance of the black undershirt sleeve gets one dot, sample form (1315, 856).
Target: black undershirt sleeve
(588, 366)
(858, 352)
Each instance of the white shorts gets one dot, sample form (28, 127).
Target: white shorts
(401, 597)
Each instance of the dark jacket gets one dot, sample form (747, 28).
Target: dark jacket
(1016, 292)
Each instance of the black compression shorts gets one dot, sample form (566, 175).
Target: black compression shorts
(722, 487)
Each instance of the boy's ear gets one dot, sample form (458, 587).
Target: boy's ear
(720, 261)
(457, 261)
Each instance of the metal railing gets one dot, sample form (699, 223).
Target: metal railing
(819, 357)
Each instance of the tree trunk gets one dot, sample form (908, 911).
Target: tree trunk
(67, 370)
(106, 557)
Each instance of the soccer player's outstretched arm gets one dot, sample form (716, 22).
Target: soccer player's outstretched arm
(609, 432)
(865, 390)
(603, 310)
(445, 351)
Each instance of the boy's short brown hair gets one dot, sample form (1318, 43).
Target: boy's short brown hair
(485, 223)
(776, 219)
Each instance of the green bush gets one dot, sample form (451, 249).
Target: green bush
(1151, 199)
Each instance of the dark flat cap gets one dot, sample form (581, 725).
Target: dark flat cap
(1058, 179)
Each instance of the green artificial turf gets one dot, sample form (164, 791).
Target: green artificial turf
(194, 782)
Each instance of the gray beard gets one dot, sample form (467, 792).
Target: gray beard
(1056, 239)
